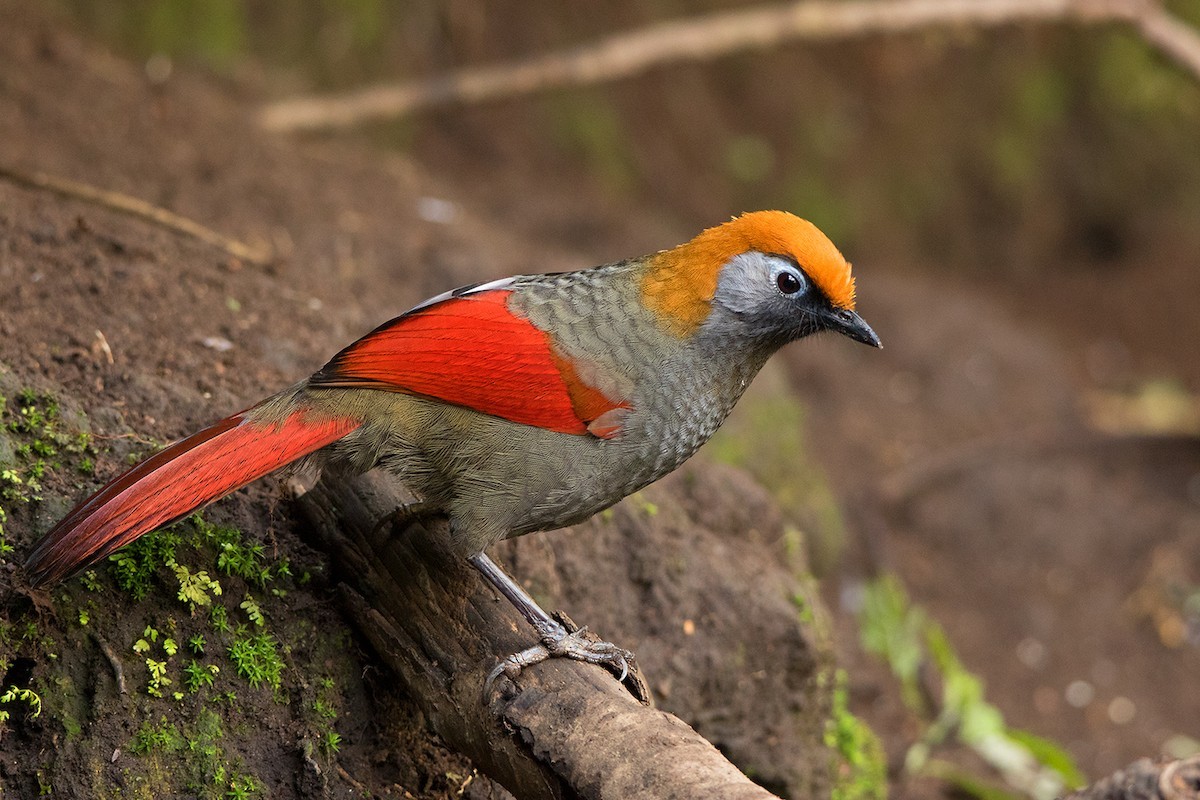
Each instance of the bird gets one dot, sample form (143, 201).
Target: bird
(518, 405)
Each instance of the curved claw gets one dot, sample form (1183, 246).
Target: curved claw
(557, 642)
(511, 666)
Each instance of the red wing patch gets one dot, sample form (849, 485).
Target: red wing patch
(473, 352)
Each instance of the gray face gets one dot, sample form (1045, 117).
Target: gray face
(768, 299)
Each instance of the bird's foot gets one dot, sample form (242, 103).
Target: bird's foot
(404, 515)
(560, 638)
(558, 642)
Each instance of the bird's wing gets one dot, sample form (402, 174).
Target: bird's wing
(467, 348)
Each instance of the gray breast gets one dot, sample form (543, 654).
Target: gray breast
(679, 391)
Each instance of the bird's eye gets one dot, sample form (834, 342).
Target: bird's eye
(788, 282)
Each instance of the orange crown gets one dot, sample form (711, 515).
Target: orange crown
(680, 283)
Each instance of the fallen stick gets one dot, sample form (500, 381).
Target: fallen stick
(140, 209)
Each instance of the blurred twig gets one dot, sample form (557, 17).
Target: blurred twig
(134, 207)
(1171, 36)
(705, 38)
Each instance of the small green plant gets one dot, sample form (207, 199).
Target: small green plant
(158, 677)
(253, 611)
(243, 787)
(14, 694)
(196, 644)
(142, 645)
(90, 581)
(195, 587)
(5, 547)
(244, 561)
(12, 486)
(235, 556)
(327, 739)
(158, 680)
(331, 742)
(197, 676)
(256, 658)
(219, 616)
(892, 627)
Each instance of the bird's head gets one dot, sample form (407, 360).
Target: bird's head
(766, 275)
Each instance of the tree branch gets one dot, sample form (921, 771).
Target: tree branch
(713, 36)
(1172, 37)
(578, 733)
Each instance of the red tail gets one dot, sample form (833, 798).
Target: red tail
(171, 484)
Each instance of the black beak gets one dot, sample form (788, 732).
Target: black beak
(850, 324)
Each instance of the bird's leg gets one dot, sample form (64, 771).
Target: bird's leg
(406, 514)
(556, 640)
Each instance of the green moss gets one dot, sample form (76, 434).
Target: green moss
(72, 726)
(162, 737)
(135, 567)
(196, 751)
(180, 743)
(34, 444)
(860, 768)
